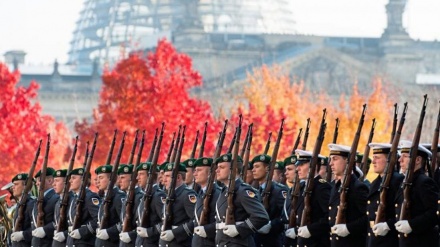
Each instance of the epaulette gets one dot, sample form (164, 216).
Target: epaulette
(33, 197)
(323, 181)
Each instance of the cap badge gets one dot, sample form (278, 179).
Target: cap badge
(58, 173)
(19, 176)
(144, 166)
(170, 167)
(125, 169)
(205, 161)
(103, 169)
(262, 158)
(293, 160)
(225, 158)
(80, 171)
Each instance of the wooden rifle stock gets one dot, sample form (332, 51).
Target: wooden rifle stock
(202, 145)
(133, 148)
(389, 169)
(405, 213)
(434, 145)
(308, 188)
(266, 148)
(112, 147)
(246, 153)
(230, 218)
(18, 226)
(306, 135)
(62, 223)
(298, 139)
(365, 167)
(153, 146)
(341, 216)
(393, 131)
(150, 181)
(129, 203)
(109, 195)
(273, 161)
(40, 200)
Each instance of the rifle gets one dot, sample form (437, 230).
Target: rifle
(340, 216)
(335, 138)
(196, 141)
(112, 146)
(133, 149)
(296, 186)
(202, 145)
(365, 167)
(393, 131)
(168, 212)
(82, 191)
(298, 139)
(171, 148)
(150, 156)
(306, 135)
(231, 146)
(18, 226)
(129, 203)
(307, 194)
(86, 155)
(109, 195)
(204, 216)
(273, 161)
(40, 200)
(62, 223)
(434, 145)
(266, 148)
(230, 218)
(245, 152)
(389, 169)
(150, 181)
(407, 182)
(176, 147)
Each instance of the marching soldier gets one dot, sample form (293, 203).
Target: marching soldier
(149, 237)
(290, 173)
(278, 173)
(85, 234)
(189, 177)
(249, 212)
(109, 236)
(43, 236)
(384, 233)
(182, 210)
(124, 176)
(22, 238)
(272, 233)
(420, 229)
(354, 231)
(204, 235)
(59, 177)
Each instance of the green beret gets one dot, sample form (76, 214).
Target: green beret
(77, 171)
(169, 167)
(189, 163)
(204, 161)
(62, 173)
(49, 172)
(162, 166)
(144, 166)
(261, 158)
(227, 158)
(125, 169)
(279, 165)
(20, 176)
(104, 169)
(291, 160)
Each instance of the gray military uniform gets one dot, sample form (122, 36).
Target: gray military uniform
(132, 234)
(49, 200)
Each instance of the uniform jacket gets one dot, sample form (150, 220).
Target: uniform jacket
(137, 199)
(49, 201)
(26, 228)
(57, 217)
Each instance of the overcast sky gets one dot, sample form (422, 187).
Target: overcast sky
(43, 28)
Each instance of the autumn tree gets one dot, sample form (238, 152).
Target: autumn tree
(23, 125)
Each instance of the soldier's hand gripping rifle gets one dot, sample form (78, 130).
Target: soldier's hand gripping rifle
(246, 152)
(405, 213)
(306, 135)
(171, 197)
(18, 226)
(341, 216)
(41, 189)
(298, 139)
(202, 145)
(84, 183)
(207, 197)
(62, 223)
(434, 145)
(153, 147)
(365, 166)
(266, 148)
(273, 161)
(230, 217)
(389, 169)
(148, 196)
(127, 225)
(307, 194)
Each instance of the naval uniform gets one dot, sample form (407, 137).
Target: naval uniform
(50, 198)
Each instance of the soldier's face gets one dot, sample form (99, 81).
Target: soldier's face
(142, 178)
(379, 163)
(249, 176)
(47, 184)
(167, 178)
(404, 161)
(58, 184)
(75, 182)
(189, 175)
(201, 174)
(17, 188)
(222, 171)
(103, 181)
(290, 172)
(303, 170)
(124, 181)
(337, 164)
(259, 170)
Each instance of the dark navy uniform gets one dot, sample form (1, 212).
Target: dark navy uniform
(357, 221)
(49, 200)
(155, 218)
(288, 242)
(210, 227)
(55, 243)
(114, 225)
(26, 227)
(390, 239)
(278, 193)
(183, 215)
(139, 194)
(423, 207)
(249, 215)
(89, 219)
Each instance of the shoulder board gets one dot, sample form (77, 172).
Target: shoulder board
(33, 197)
(323, 181)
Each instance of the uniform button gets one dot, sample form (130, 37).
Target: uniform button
(337, 207)
(297, 216)
(337, 238)
(330, 238)
(368, 202)
(396, 205)
(329, 218)
(369, 234)
(368, 213)
(397, 215)
(377, 202)
(437, 212)
(329, 207)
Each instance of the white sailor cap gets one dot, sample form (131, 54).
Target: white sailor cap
(380, 148)
(302, 156)
(429, 145)
(341, 150)
(405, 147)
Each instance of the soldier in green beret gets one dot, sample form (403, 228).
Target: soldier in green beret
(43, 236)
(59, 240)
(278, 172)
(124, 176)
(271, 233)
(182, 210)
(149, 237)
(189, 177)
(23, 237)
